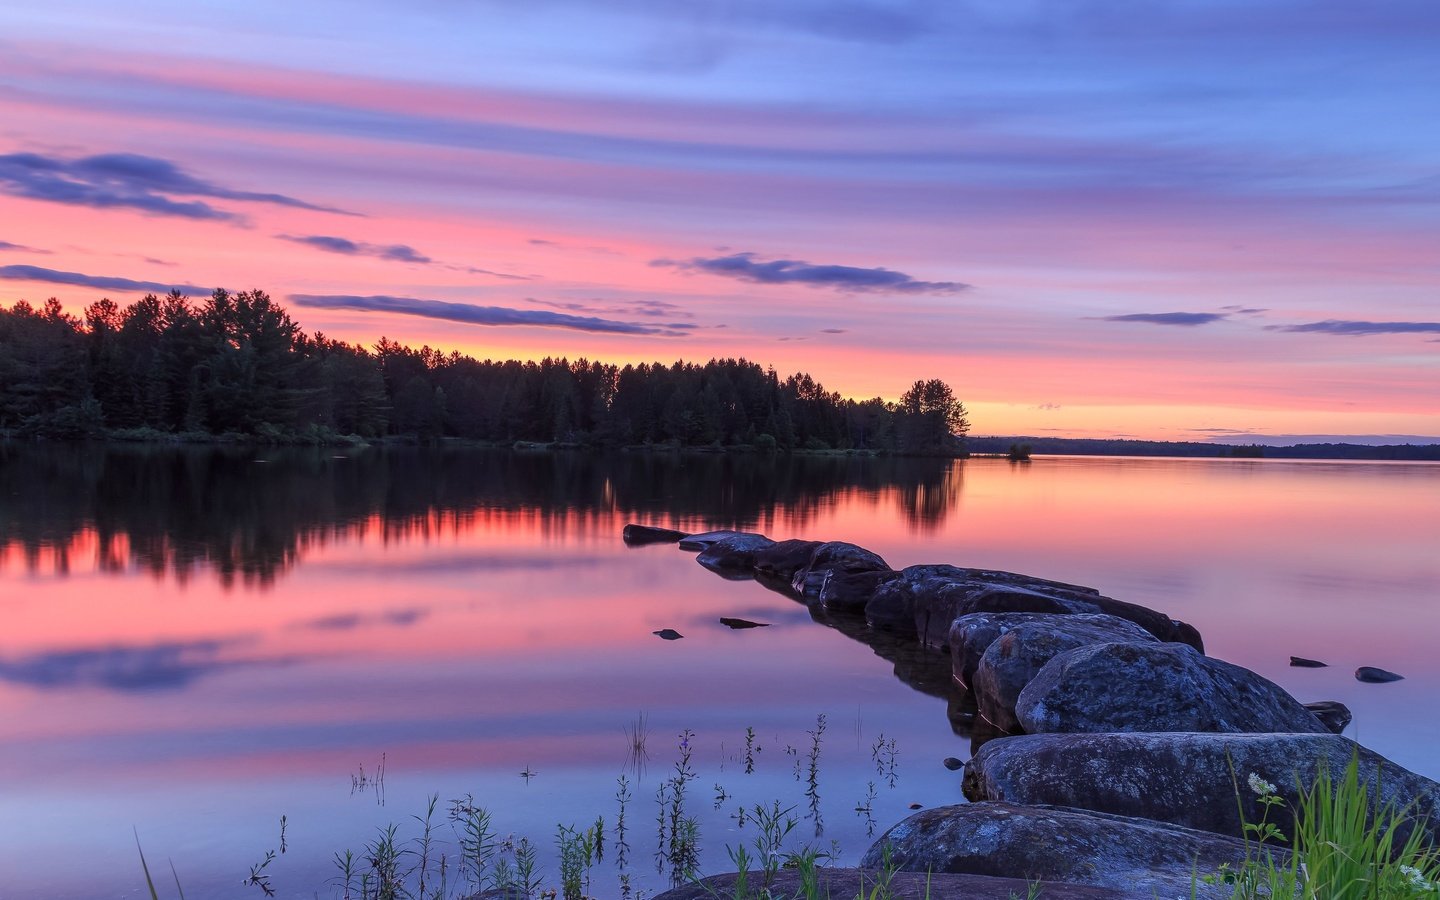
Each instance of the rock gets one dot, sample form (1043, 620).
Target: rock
(1014, 658)
(1372, 675)
(971, 635)
(650, 534)
(1050, 844)
(1301, 662)
(952, 764)
(742, 623)
(734, 554)
(1333, 714)
(1192, 780)
(925, 600)
(782, 559)
(668, 634)
(840, 883)
(706, 538)
(916, 806)
(841, 577)
(1154, 687)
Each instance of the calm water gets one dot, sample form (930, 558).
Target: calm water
(197, 642)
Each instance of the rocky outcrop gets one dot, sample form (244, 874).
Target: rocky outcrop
(1055, 844)
(972, 635)
(782, 559)
(734, 554)
(1194, 780)
(841, 577)
(1155, 687)
(842, 883)
(925, 600)
(650, 534)
(1015, 657)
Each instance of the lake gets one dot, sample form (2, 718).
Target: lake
(198, 641)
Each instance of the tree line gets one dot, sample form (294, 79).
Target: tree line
(238, 364)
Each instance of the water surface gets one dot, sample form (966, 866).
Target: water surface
(197, 641)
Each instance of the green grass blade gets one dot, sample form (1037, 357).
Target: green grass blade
(149, 882)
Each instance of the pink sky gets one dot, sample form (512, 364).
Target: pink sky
(1152, 235)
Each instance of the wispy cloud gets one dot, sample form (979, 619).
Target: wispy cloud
(481, 315)
(750, 267)
(833, 330)
(651, 308)
(20, 248)
(100, 282)
(1357, 328)
(347, 247)
(128, 181)
(1184, 319)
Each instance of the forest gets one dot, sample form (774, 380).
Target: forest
(236, 365)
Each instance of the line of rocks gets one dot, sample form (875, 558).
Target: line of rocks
(1114, 742)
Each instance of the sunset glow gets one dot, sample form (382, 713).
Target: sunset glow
(1179, 222)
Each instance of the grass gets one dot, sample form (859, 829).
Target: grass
(1346, 845)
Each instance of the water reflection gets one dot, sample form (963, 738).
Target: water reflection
(250, 514)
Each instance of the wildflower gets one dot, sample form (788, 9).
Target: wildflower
(1416, 878)
(1260, 786)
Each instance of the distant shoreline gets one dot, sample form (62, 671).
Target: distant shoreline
(1051, 446)
(975, 447)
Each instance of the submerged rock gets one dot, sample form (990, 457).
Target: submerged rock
(668, 634)
(1372, 675)
(841, 576)
(734, 554)
(1301, 662)
(1155, 687)
(1013, 659)
(1052, 844)
(1333, 714)
(1194, 780)
(737, 624)
(650, 534)
(841, 883)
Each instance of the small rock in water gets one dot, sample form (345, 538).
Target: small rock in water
(916, 806)
(742, 623)
(1301, 662)
(650, 534)
(668, 634)
(1333, 714)
(952, 763)
(1372, 675)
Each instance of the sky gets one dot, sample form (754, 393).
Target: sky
(1168, 219)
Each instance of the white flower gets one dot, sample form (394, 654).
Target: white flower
(1260, 786)
(1415, 877)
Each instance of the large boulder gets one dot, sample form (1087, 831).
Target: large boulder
(925, 600)
(1194, 780)
(782, 559)
(841, 577)
(841, 883)
(734, 554)
(971, 635)
(1014, 658)
(1050, 843)
(1155, 687)
(650, 534)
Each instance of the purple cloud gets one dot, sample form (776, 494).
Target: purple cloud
(101, 282)
(747, 267)
(347, 247)
(1184, 319)
(479, 315)
(127, 181)
(1354, 328)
